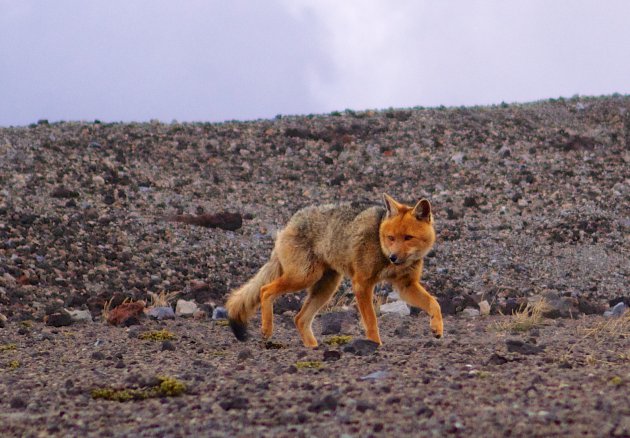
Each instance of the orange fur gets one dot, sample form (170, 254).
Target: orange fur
(321, 244)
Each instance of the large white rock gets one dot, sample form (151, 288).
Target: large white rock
(80, 315)
(185, 308)
(396, 307)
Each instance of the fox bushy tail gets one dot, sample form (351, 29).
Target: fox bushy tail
(244, 301)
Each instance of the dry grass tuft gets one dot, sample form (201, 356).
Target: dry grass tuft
(162, 299)
(531, 316)
(602, 331)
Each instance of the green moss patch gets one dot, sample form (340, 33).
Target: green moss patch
(338, 340)
(7, 347)
(13, 365)
(168, 387)
(157, 335)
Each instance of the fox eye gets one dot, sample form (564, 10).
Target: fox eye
(408, 237)
(390, 238)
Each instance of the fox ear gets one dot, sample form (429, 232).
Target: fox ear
(422, 211)
(391, 205)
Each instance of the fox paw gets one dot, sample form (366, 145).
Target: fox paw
(437, 327)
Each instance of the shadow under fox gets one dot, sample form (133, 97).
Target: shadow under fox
(321, 244)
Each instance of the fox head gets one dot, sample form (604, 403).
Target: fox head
(406, 233)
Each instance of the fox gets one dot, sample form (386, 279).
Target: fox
(322, 244)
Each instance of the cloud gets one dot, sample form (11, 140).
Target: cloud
(407, 53)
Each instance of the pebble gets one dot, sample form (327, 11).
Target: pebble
(200, 314)
(244, 355)
(17, 403)
(98, 180)
(161, 313)
(185, 308)
(361, 347)
(377, 375)
(58, 319)
(327, 403)
(168, 346)
(617, 311)
(234, 402)
(518, 346)
(80, 315)
(484, 308)
(470, 312)
(396, 307)
(332, 355)
(98, 355)
(337, 322)
(219, 313)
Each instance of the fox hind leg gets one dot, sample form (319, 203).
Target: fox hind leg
(318, 295)
(364, 291)
(284, 284)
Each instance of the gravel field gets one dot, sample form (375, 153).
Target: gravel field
(530, 203)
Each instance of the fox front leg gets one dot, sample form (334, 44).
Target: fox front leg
(416, 295)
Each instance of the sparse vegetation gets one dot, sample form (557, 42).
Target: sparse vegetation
(7, 347)
(157, 335)
(162, 299)
(14, 364)
(167, 387)
(338, 340)
(531, 316)
(313, 364)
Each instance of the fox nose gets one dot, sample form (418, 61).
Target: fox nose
(393, 258)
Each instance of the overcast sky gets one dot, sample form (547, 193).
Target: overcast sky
(214, 60)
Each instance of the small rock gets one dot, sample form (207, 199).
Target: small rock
(557, 306)
(402, 330)
(484, 308)
(327, 403)
(3, 320)
(185, 308)
(617, 311)
(244, 355)
(518, 346)
(496, 359)
(168, 346)
(80, 315)
(361, 347)
(458, 157)
(58, 319)
(98, 355)
(98, 180)
(224, 220)
(332, 355)
(363, 406)
(17, 403)
(200, 314)
(63, 192)
(470, 312)
(376, 375)
(235, 402)
(161, 313)
(219, 313)
(334, 323)
(470, 201)
(396, 307)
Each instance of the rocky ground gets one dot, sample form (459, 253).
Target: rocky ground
(530, 201)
